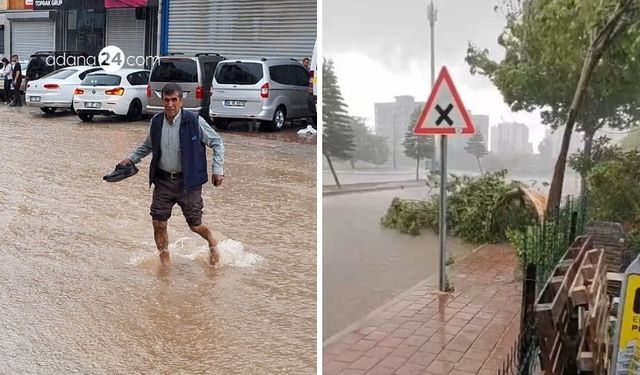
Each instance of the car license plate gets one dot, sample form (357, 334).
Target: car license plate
(234, 103)
(34, 98)
(92, 105)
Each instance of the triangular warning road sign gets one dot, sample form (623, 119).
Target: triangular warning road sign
(444, 112)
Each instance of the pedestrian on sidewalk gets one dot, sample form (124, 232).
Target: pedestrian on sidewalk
(306, 62)
(7, 79)
(178, 169)
(17, 81)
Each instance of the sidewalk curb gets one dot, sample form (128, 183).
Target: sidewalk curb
(367, 189)
(430, 281)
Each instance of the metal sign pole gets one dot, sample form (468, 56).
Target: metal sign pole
(443, 212)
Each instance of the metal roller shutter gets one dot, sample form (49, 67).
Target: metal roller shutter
(239, 28)
(28, 37)
(126, 32)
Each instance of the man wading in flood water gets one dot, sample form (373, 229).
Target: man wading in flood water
(178, 168)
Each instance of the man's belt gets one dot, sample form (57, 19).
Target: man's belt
(171, 176)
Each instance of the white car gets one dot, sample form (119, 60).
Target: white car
(121, 93)
(55, 90)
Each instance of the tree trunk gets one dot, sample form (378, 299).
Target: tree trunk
(588, 145)
(599, 45)
(418, 169)
(335, 176)
(479, 166)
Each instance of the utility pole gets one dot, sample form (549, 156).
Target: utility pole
(433, 16)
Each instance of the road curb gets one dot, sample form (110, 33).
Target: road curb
(366, 189)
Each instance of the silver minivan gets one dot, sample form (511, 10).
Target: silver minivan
(194, 75)
(271, 90)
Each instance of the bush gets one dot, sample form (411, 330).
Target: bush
(614, 191)
(408, 216)
(539, 248)
(470, 207)
(472, 204)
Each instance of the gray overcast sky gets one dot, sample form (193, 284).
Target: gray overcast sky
(381, 49)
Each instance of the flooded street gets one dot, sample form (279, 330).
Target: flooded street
(81, 288)
(364, 264)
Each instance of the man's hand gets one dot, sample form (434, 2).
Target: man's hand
(126, 161)
(216, 179)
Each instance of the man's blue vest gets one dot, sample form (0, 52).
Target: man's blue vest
(192, 150)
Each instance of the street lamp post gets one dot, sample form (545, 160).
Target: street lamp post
(432, 15)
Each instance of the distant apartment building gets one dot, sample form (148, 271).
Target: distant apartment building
(392, 121)
(481, 123)
(510, 138)
(550, 146)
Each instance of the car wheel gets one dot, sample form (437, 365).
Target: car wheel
(221, 123)
(135, 111)
(279, 118)
(205, 116)
(48, 110)
(85, 117)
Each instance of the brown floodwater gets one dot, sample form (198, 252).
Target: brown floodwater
(81, 287)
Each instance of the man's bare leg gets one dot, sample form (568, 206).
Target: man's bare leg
(162, 240)
(204, 232)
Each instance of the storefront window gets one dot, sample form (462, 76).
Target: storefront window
(85, 30)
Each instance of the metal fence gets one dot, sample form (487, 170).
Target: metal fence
(544, 244)
(540, 247)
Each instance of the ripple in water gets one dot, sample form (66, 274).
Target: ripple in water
(231, 253)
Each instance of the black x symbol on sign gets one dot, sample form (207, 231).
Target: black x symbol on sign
(444, 114)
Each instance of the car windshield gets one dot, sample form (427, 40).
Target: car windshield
(174, 70)
(101, 80)
(239, 73)
(60, 74)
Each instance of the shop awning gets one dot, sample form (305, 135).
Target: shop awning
(91, 4)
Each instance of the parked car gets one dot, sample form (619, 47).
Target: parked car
(42, 63)
(313, 86)
(55, 90)
(194, 75)
(122, 93)
(271, 90)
